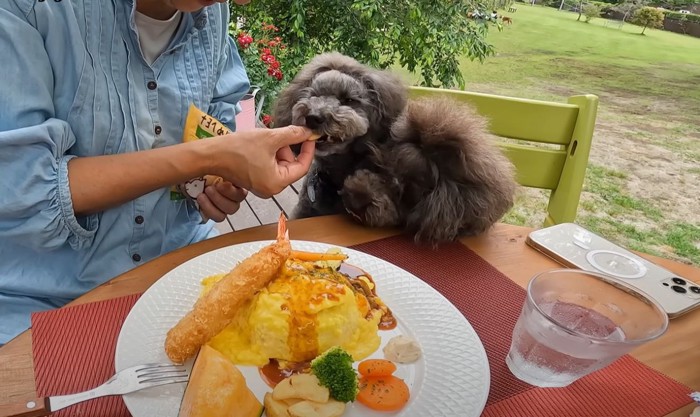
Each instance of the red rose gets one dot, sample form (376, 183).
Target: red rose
(275, 64)
(267, 119)
(268, 59)
(277, 74)
(245, 41)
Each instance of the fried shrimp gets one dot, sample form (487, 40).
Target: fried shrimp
(215, 310)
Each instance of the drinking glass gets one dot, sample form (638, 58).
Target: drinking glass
(576, 322)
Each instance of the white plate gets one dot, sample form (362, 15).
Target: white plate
(451, 378)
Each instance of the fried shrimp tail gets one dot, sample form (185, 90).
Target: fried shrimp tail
(215, 310)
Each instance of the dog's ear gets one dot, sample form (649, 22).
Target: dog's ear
(282, 113)
(388, 93)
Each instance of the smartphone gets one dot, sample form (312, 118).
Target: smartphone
(574, 246)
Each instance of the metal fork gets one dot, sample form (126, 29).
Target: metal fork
(123, 382)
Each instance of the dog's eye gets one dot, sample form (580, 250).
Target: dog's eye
(348, 101)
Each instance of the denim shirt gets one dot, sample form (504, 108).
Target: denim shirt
(74, 84)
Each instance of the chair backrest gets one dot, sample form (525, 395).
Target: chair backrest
(548, 142)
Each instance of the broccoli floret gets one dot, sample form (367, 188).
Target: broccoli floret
(334, 370)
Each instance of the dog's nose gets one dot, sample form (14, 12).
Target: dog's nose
(313, 121)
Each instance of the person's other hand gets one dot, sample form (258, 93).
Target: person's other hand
(261, 160)
(221, 199)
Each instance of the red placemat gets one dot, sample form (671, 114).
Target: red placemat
(74, 347)
(73, 350)
(492, 302)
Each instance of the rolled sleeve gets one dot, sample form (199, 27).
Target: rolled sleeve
(36, 207)
(80, 231)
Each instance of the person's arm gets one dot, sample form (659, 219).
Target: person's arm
(101, 182)
(45, 193)
(42, 187)
(251, 159)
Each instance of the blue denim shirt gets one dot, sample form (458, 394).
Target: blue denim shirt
(74, 83)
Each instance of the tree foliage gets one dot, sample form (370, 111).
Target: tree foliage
(648, 17)
(591, 10)
(629, 7)
(424, 36)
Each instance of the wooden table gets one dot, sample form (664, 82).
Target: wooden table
(676, 354)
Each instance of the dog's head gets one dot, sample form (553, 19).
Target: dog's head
(341, 100)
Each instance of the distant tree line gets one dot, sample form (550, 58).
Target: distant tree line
(645, 13)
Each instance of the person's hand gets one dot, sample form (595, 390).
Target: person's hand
(260, 160)
(221, 199)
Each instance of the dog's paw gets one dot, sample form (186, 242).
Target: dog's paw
(368, 198)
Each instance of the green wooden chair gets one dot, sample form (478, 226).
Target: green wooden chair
(568, 126)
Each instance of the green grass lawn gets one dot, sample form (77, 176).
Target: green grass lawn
(545, 44)
(642, 187)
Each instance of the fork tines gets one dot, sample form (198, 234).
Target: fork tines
(158, 373)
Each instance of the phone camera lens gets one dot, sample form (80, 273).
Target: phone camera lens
(679, 281)
(695, 290)
(679, 289)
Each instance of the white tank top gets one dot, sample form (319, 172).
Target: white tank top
(154, 34)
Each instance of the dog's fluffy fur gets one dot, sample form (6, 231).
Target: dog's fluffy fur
(426, 165)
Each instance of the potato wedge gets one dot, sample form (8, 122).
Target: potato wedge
(274, 408)
(284, 390)
(302, 386)
(291, 401)
(332, 408)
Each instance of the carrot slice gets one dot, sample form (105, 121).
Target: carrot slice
(315, 256)
(384, 393)
(376, 367)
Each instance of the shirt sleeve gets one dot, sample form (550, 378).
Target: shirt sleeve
(232, 83)
(36, 207)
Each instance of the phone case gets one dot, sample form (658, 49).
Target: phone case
(574, 246)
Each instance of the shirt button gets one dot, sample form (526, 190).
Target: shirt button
(158, 130)
(151, 85)
(138, 219)
(136, 257)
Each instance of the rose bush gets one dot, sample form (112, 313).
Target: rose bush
(263, 53)
(425, 37)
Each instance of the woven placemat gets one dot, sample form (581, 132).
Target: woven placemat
(73, 350)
